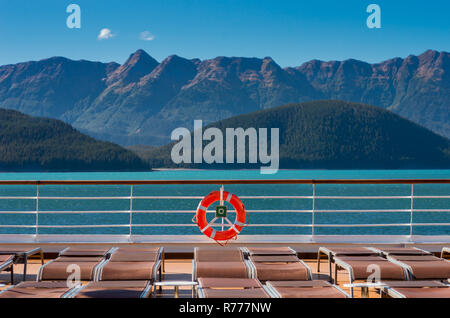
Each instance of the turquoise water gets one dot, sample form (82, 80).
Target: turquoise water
(113, 206)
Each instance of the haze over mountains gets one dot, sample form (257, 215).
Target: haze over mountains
(142, 100)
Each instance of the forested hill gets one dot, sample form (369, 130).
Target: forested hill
(41, 144)
(335, 134)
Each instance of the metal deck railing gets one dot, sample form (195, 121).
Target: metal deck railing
(35, 232)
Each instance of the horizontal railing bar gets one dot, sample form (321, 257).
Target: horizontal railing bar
(249, 225)
(242, 197)
(18, 198)
(300, 225)
(385, 197)
(225, 182)
(431, 197)
(356, 197)
(431, 210)
(383, 211)
(231, 211)
(83, 226)
(86, 212)
(276, 196)
(431, 224)
(365, 211)
(163, 225)
(381, 225)
(85, 198)
(212, 211)
(168, 197)
(17, 212)
(279, 225)
(363, 225)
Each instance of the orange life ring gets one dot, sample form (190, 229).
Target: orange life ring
(234, 229)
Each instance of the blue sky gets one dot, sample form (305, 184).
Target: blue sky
(291, 32)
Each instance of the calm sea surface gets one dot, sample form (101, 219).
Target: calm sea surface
(114, 214)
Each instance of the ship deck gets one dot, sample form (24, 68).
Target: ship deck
(178, 264)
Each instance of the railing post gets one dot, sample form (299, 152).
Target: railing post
(221, 201)
(37, 212)
(313, 209)
(412, 212)
(131, 213)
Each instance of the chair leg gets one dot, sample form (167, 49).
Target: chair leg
(25, 262)
(42, 257)
(335, 273)
(12, 274)
(351, 288)
(330, 270)
(318, 261)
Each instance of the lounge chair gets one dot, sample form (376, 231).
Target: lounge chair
(38, 290)
(422, 267)
(363, 267)
(275, 264)
(231, 288)
(114, 289)
(86, 252)
(305, 289)
(332, 252)
(445, 253)
(219, 263)
(87, 259)
(129, 264)
(7, 263)
(415, 289)
(387, 251)
(21, 255)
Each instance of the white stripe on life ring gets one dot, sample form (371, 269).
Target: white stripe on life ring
(229, 197)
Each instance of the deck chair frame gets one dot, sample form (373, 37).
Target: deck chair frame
(406, 267)
(274, 293)
(253, 271)
(194, 264)
(94, 270)
(21, 257)
(341, 264)
(146, 292)
(330, 254)
(157, 268)
(9, 264)
(445, 252)
(67, 294)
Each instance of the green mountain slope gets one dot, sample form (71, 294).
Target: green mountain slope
(335, 134)
(33, 143)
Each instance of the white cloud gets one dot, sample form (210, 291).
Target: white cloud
(146, 36)
(105, 34)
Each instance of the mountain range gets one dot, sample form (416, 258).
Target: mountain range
(143, 100)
